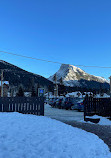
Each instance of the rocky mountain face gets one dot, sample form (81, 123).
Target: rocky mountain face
(17, 76)
(73, 76)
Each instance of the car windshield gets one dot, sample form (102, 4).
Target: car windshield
(80, 101)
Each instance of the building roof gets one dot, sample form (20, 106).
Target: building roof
(5, 82)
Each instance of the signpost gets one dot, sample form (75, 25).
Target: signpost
(41, 92)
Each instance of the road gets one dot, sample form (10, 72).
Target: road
(74, 118)
(62, 114)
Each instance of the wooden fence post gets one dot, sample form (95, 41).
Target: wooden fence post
(85, 102)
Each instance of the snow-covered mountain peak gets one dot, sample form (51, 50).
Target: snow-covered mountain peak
(70, 68)
(71, 75)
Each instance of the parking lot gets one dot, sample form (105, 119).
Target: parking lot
(74, 118)
(62, 114)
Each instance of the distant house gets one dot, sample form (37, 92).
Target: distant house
(5, 88)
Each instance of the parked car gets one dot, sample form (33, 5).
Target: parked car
(67, 103)
(75, 101)
(58, 103)
(53, 102)
(50, 101)
(80, 105)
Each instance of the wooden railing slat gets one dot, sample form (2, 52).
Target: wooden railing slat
(25, 105)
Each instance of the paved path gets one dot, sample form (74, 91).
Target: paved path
(73, 117)
(103, 132)
(62, 114)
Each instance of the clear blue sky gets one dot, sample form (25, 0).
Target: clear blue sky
(67, 31)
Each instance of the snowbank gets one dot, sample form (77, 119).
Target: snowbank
(29, 136)
(103, 120)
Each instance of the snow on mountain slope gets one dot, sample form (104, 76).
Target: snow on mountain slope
(71, 76)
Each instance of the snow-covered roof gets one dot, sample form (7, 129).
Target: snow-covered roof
(74, 94)
(103, 96)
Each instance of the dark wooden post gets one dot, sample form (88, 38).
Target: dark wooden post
(110, 86)
(85, 104)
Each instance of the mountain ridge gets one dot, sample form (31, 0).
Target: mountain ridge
(18, 76)
(72, 76)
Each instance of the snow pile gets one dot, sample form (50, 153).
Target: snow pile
(28, 136)
(27, 94)
(103, 120)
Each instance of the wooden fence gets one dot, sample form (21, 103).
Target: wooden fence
(99, 106)
(25, 105)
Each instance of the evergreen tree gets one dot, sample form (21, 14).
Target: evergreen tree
(62, 89)
(38, 86)
(20, 92)
(55, 78)
(33, 93)
(61, 81)
(50, 89)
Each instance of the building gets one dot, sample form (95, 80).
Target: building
(5, 88)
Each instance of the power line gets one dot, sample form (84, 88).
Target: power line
(55, 62)
(31, 57)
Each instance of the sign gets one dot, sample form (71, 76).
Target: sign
(41, 92)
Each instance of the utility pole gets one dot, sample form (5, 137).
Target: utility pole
(110, 86)
(56, 90)
(56, 87)
(1, 83)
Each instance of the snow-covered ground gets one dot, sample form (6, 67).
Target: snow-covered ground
(29, 136)
(103, 120)
(62, 114)
(71, 115)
